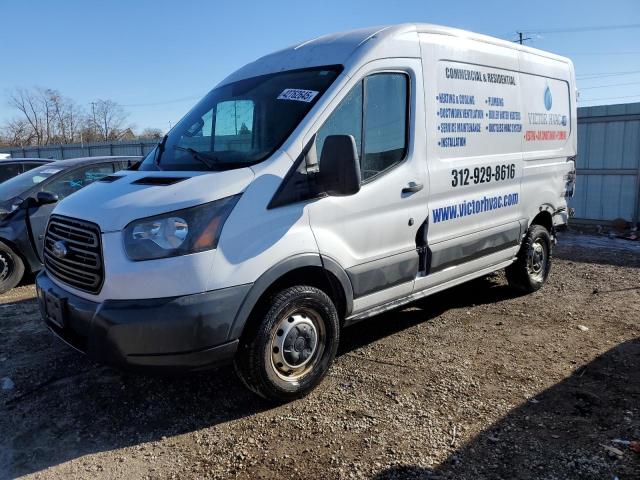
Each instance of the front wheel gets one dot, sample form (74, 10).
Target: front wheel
(291, 349)
(533, 263)
(11, 268)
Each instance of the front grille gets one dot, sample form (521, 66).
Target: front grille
(81, 267)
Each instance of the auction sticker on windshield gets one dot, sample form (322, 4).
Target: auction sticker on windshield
(297, 95)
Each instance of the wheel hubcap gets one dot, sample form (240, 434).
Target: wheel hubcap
(537, 260)
(296, 344)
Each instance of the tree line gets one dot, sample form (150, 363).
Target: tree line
(43, 116)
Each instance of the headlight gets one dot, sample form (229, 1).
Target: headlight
(180, 232)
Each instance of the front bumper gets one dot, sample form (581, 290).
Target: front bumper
(178, 333)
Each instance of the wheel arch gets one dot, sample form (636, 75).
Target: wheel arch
(18, 252)
(544, 219)
(21, 242)
(303, 269)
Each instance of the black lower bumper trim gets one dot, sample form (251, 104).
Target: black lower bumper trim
(178, 333)
(200, 359)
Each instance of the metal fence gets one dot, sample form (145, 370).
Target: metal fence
(75, 150)
(608, 164)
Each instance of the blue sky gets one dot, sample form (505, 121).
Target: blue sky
(143, 53)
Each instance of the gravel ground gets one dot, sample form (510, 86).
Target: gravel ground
(472, 383)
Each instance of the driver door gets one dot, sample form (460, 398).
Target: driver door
(372, 234)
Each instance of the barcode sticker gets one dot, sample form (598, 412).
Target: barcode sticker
(297, 95)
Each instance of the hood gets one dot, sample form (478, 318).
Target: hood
(118, 199)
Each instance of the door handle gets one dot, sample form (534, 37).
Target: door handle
(412, 187)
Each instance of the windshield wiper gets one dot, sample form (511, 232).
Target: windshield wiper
(160, 151)
(201, 157)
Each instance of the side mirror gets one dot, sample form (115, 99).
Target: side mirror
(46, 198)
(339, 166)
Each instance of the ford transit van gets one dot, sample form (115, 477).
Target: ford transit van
(313, 188)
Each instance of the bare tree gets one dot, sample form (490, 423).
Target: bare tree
(67, 117)
(17, 132)
(27, 102)
(109, 118)
(152, 133)
(45, 114)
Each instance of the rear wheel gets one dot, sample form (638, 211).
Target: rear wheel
(531, 268)
(11, 268)
(293, 346)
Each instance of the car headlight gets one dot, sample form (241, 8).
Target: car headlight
(180, 232)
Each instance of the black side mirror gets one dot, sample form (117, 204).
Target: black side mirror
(339, 166)
(46, 198)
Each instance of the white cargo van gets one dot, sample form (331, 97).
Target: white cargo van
(312, 188)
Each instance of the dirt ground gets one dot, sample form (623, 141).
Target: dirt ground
(472, 383)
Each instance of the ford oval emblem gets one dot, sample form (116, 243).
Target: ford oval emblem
(59, 249)
(548, 101)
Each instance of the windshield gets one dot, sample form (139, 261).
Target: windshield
(241, 123)
(16, 186)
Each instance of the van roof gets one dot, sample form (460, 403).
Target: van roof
(376, 42)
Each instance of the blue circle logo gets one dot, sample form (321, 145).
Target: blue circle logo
(548, 101)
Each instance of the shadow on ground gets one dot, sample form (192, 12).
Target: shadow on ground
(65, 406)
(482, 291)
(545, 438)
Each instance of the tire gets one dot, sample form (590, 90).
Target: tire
(292, 347)
(11, 268)
(533, 263)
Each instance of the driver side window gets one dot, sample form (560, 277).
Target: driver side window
(375, 113)
(71, 182)
(346, 119)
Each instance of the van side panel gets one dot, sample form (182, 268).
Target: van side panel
(474, 151)
(372, 234)
(550, 131)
